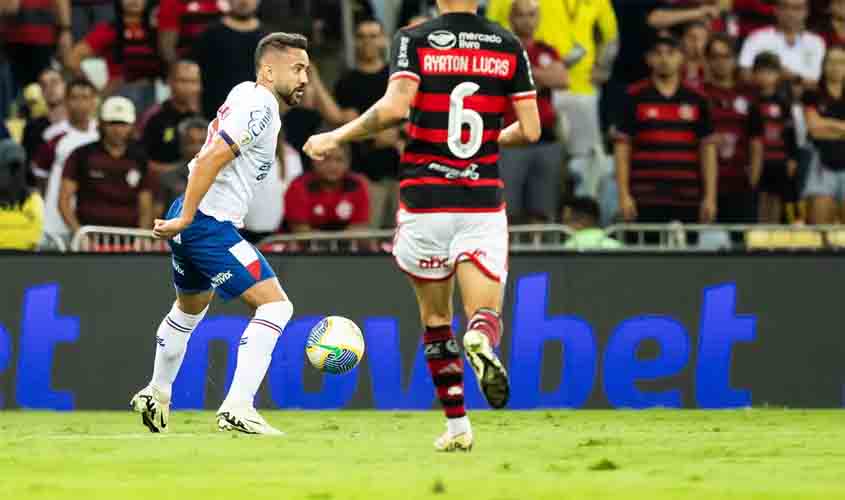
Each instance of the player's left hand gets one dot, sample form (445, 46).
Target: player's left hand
(320, 144)
(166, 229)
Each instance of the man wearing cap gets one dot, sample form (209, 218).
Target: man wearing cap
(665, 154)
(110, 178)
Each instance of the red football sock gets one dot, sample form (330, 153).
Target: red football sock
(446, 367)
(488, 322)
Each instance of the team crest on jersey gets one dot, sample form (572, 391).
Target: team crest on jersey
(133, 177)
(686, 112)
(442, 40)
(741, 105)
(246, 139)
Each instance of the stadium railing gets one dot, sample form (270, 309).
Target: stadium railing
(672, 237)
(713, 237)
(106, 239)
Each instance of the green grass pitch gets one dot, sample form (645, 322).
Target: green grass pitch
(654, 455)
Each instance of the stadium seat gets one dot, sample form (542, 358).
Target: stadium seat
(783, 239)
(836, 238)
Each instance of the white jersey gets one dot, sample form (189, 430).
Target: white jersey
(249, 122)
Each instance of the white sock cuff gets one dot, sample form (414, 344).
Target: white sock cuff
(274, 315)
(184, 320)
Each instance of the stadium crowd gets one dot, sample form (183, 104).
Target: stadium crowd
(714, 111)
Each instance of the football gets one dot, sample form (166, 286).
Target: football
(335, 345)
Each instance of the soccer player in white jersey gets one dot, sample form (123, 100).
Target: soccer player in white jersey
(208, 253)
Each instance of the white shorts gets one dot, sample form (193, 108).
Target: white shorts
(428, 246)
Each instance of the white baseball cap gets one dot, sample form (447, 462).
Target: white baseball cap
(117, 109)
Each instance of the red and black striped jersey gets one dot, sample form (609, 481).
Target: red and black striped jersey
(779, 140)
(468, 70)
(665, 133)
(732, 109)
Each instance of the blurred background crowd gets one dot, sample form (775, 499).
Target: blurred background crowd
(712, 111)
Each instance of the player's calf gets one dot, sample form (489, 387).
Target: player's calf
(443, 358)
(483, 334)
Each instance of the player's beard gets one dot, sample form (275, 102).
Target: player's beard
(294, 96)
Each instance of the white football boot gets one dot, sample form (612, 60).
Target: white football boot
(154, 407)
(491, 375)
(448, 442)
(246, 420)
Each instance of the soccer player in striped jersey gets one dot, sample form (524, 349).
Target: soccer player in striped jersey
(453, 77)
(208, 253)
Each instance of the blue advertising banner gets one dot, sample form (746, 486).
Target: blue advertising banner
(633, 331)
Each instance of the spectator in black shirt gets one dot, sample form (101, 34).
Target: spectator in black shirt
(777, 184)
(160, 137)
(224, 52)
(825, 112)
(191, 132)
(53, 90)
(358, 89)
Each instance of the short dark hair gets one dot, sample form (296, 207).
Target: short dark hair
(766, 60)
(82, 83)
(181, 62)
(190, 123)
(279, 41)
(723, 38)
(368, 19)
(584, 207)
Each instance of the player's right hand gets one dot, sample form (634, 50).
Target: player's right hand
(628, 207)
(166, 229)
(320, 144)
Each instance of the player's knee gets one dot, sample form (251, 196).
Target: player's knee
(278, 312)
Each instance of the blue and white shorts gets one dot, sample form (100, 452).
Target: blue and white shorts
(823, 181)
(211, 254)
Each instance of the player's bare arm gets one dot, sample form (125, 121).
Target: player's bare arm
(710, 176)
(387, 112)
(526, 128)
(208, 164)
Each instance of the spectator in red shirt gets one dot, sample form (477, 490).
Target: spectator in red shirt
(32, 31)
(181, 22)
(531, 173)
(129, 47)
(693, 44)
(109, 178)
(738, 135)
(329, 198)
(665, 153)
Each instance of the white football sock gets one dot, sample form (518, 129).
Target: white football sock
(172, 339)
(255, 352)
(458, 425)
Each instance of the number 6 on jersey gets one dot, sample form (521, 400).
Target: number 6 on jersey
(458, 116)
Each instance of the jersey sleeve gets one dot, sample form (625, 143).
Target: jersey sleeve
(626, 128)
(404, 62)
(169, 15)
(242, 125)
(755, 122)
(704, 129)
(749, 51)
(522, 85)
(296, 203)
(71, 170)
(101, 38)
